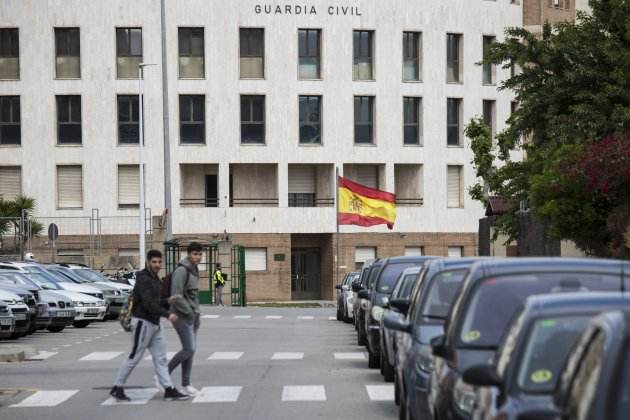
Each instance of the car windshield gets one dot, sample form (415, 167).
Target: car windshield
(88, 275)
(19, 279)
(391, 273)
(496, 299)
(62, 272)
(548, 346)
(442, 292)
(43, 281)
(374, 270)
(406, 285)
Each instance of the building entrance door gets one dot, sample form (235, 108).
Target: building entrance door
(305, 273)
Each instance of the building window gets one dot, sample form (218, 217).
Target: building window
(412, 56)
(302, 186)
(252, 119)
(10, 128)
(10, 182)
(192, 119)
(414, 251)
(255, 259)
(412, 111)
(191, 53)
(364, 120)
(454, 122)
(309, 42)
(559, 4)
(128, 52)
(128, 186)
(9, 54)
(489, 109)
(456, 251)
(363, 44)
(455, 186)
(489, 70)
(252, 44)
(128, 119)
(67, 53)
(68, 119)
(453, 58)
(363, 254)
(70, 187)
(310, 119)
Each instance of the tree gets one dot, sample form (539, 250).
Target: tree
(573, 94)
(11, 212)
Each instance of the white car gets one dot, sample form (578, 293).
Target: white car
(20, 311)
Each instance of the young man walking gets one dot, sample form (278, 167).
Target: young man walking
(147, 333)
(185, 304)
(219, 282)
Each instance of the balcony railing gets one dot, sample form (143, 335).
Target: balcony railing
(409, 202)
(253, 202)
(199, 202)
(309, 200)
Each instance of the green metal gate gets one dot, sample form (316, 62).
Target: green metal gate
(239, 296)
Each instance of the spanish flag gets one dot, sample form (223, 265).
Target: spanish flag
(364, 206)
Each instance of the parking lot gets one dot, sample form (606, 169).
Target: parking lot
(251, 363)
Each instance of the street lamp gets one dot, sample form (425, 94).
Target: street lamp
(142, 216)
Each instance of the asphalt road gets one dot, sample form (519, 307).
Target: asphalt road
(252, 363)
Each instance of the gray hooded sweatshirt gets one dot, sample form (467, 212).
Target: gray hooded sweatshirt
(185, 285)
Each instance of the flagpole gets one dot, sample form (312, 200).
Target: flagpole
(337, 217)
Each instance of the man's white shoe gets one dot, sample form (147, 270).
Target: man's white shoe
(158, 385)
(190, 390)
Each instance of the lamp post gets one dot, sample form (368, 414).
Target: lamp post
(142, 209)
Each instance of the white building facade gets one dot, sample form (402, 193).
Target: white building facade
(266, 100)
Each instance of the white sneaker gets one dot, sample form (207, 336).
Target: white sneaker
(158, 385)
(190, 390)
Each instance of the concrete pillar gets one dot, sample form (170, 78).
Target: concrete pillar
(224, 185)
(283, 184)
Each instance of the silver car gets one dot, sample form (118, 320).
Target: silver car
(7, 321)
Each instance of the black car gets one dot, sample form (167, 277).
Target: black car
(380, 287)
(426, 311)
(360, 303)
(532, 354)
(356, 286)
(491, 294)
(389, 337)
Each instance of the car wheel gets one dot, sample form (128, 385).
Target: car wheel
(402, 413)
(361, 341)
(388, 370)
(373, 360)
(80, 324)
(381, 356)
(55, 329)
(339, 316)
(396, 390)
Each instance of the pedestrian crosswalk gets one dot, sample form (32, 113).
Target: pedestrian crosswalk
(101, 356)
(207, 394)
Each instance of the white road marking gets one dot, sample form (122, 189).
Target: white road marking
(55, 348)
(332, 318)
(211, 316)
(218, 394)
(46, 398)
(67, 345)
(225, 355)
(306, 317)
(138, 397)
(350, 356)
(380, 392)
(169, 355)
(101, 355)
(304, 393)
(242, 316)
(43, 355)
(274, 317)
(287, 356)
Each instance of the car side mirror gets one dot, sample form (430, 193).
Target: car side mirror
(356, 287)
(540, 414)
(401, 304)
(338, 287)
(482, 375)
(345, 287)
(364, 294)
(395, 321)
(438, 344)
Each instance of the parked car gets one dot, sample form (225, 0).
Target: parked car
(406, 283)
(59, 309)
(360, 304)
(7, 320)
(491, 294)
(20, 311)
(344, 296)
(421, 319)
(531, 357)
(29, 299)
(379, 290)
(93, 276)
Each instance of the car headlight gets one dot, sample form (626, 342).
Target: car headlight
(465, 396)
(424, 362)
(377, 313)
(77, 303)
(100, 303)
(349, 300)
(10, 301)
(364, 304)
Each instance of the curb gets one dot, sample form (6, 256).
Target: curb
(15, 353)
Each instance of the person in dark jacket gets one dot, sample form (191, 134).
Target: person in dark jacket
(148, 308)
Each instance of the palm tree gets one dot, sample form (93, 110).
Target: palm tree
(11, 212)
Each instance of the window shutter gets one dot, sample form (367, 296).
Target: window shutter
(302, 180)
(413, 251)
(128, 185)
(69, 187)
(10, 182)
(454, 186)
(255, 259)
(455, 251)
(368, 175)
(364, 253)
